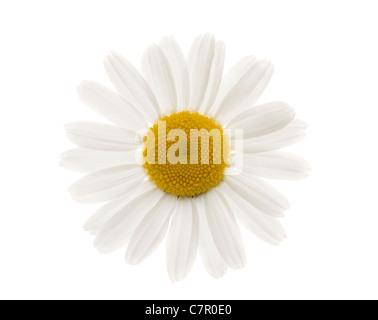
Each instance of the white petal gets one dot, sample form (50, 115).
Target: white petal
(119, 228)
(102, 215)
(107, 184)
(182, 240)
(246, 88)
(100, 136)
(215, 77)
(200, 58)
(258, 193)
(111, 106)
(225, 230)
(292, 133)
(263, 119)
(158, 74)
(210, 256)
(276, 165)
(151, 231)
(88, 160)
(128, 81)
(108, 210)
(232, 77)
(263, 226)
(179, 70)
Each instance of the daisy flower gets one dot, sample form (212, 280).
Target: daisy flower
(198, 204)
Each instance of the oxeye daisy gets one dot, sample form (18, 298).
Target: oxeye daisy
(168, 163)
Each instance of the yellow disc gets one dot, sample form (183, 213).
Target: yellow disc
(185, 154)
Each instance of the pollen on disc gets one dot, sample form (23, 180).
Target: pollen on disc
(178, 139)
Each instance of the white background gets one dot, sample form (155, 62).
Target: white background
(326, 59)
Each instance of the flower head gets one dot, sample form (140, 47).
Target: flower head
(184, 155)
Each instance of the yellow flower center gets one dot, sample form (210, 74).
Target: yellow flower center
(185, 153)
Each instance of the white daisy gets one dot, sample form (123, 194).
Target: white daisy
(198, 205)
